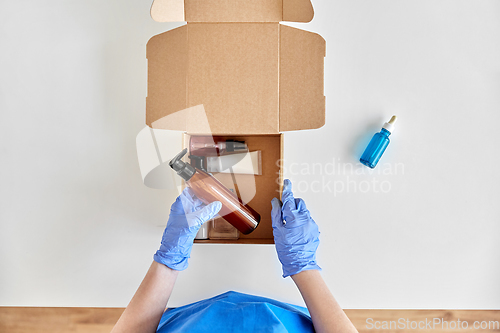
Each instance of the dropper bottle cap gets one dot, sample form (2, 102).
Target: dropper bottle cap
(184, 170)
(389, 126)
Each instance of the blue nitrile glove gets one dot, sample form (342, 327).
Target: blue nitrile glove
(187, 214)
(296, 235)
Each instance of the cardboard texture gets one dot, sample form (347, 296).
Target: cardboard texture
(251, 78)
(302, 103)
(232, 11)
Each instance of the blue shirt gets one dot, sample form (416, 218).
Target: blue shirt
(237, 312)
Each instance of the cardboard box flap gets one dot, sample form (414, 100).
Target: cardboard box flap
(302, 100)
(167, 55)
(232, 11)
(246, 78)
(233, 71)
(230, 70)
(297, 11)
(167, 10)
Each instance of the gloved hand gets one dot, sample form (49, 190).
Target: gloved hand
(296, 235)
(187, 214)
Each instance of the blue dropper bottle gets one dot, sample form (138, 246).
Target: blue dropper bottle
(377, 145)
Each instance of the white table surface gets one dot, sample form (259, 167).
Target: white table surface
(78, 227)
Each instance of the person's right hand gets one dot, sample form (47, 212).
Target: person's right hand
(187, 215)
(296, 235)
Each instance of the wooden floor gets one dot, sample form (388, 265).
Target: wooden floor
(58, 320)
(418, 317)
(97, 320)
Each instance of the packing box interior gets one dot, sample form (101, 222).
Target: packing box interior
(251, 78)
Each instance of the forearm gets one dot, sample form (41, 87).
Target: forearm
(326, 314)
(149, 302)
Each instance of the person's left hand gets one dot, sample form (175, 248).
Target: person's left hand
(187, 215)
(296, 235)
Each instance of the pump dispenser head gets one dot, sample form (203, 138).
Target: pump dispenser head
(390, 125)
(184, 170)
(199, 162)
(233, 145)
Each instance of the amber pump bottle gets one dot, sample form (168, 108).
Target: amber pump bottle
(208, 189)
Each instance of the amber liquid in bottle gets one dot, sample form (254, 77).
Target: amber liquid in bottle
(208, 189)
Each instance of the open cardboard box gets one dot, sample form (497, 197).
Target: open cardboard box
(265, 186)
(253, 77)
